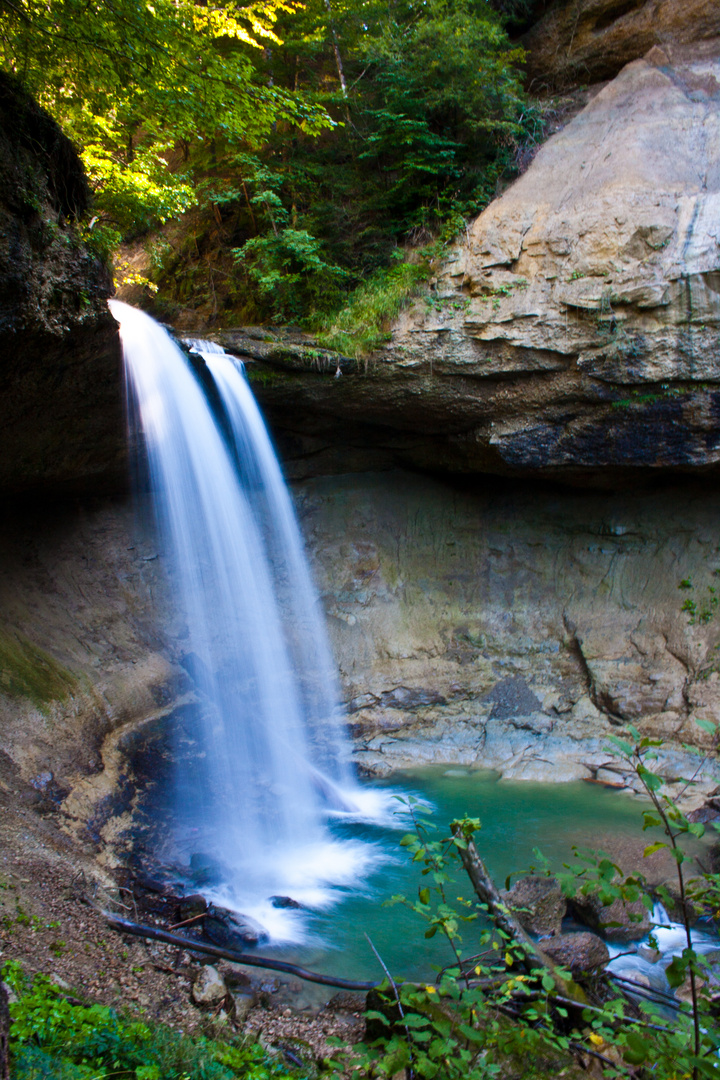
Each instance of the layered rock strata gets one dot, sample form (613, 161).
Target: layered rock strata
(517, 628)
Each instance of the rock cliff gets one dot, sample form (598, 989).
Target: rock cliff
(516, 627)
(513, 627)
(584, 41)
(575, 331)
(61, 422)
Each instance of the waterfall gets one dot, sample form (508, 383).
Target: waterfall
(272, 757)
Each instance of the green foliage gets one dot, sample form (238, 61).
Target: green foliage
(288, 265)
(121, 77)
(491, 1011)
(53, 1038)
(463, 1025)
(363, 323)
(356, 127)
(701, 607)
(431, 118)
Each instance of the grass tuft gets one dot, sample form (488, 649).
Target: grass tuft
(27, 671)
(363, 323)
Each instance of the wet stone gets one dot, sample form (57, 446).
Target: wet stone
(230, 929)
(618, 921)
(583, 952)
(190, 907)
(242, 1004)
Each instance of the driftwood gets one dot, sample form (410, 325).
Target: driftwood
(124, 926)
(4, 1035)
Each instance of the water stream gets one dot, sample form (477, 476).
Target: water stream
(271, 759)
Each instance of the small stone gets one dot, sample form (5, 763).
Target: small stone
(11, 995)
(234, 976)
(209, 988)
(284, 902)
(243, 1004)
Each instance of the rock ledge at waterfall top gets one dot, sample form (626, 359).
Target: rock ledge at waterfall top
(575, 332)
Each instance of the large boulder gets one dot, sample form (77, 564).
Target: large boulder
(61, 411)
(573, 333)
(538, 904)
(583, 953)
(621, 920)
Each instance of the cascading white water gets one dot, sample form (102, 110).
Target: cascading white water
(273, 757)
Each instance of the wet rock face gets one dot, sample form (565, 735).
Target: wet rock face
(588, 40)
(61, 414)
(575, 331)
(518, 627)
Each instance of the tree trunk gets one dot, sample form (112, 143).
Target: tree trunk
(4, 1035)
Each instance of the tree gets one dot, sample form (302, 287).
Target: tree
(130, 81)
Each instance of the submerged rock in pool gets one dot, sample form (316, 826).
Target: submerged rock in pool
(232, 930)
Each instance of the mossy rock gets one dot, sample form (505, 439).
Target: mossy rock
(27, 671)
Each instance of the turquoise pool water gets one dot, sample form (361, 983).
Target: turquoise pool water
(517, 820)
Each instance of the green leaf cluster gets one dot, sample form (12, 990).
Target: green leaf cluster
(487, 1013)
(53, 1037)
(130, 82)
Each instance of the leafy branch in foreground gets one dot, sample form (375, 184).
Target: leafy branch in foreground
(508, 1004)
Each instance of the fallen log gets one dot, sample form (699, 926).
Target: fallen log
(124, 926)
(488, 894)
(533, 959)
